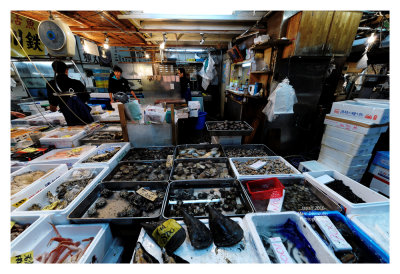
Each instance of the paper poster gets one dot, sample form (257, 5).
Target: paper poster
(171, 86)
(177, 78)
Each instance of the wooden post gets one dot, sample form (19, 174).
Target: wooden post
(121, 111)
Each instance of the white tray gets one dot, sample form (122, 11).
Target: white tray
(60, 216)
(110, 163)
(375, 224)
(351, 136)
(344, 158)
(296, 174)
(22, 220)
(36, 239)
(371, 198)
(59, 142)
(34, 188)
(68, 161)
(258, 221)
(248, 254)
(349, 148)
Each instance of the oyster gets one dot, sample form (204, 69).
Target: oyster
(225, 232)
(199, 235)
(142, 256)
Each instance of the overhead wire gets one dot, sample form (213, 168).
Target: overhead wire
(55, 92)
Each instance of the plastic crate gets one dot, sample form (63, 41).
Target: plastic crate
(48, 158)
(265, 189)
(63, 142)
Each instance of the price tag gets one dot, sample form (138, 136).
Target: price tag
(336, 239)
(170, 160)
(76, 150)
(19, 203)
(51, 206)
(66, 136)
(25, 258)
(280, 251)
(29, 150)
(147, 194)
(257, 165)
(275, 204)
(12, 224)
(163, 233)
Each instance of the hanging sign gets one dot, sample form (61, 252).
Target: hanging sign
(25, 30)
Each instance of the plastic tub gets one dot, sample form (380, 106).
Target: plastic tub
(60, 215)
(349, 148)
(366, 243)
(259, 222)
(68, 156)
(371, 198)
(265, 189)
(34, 188)
(264, 150)
(37, 239)
(23, 220)
(295, 174)
(207, 147)
(124, 148)
(63, 142)
(201, 120)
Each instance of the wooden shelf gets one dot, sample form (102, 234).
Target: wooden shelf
(273, 43)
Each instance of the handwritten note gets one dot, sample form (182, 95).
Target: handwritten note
(336, 239)
(25, 258)
(147, 194)
(280, 251)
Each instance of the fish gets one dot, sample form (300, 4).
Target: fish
(225, 231)
(167, 233)
(200, 236)
(171, 258)
(142, 256)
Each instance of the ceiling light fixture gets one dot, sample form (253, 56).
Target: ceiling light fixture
(202, 39)
(107, 40)
(146, 55)
(162, 45)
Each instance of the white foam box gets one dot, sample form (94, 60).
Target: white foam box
(34, 188)
(376, 224)
(380, 172)
(349, 148)
(380, 185)
(23, 220)
(296, 174)
(376, 113)
(47, 158)
(312, 166)
(351, 136)
(36, 240)
(366, 128)
(258, 222)
(372, 101)
(343, 158)
(371, 198)
(60, 215)
(63, 142)
(247, 253)
(124, 148)
(333, 164)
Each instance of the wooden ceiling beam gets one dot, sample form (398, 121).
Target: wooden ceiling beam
(72, 16)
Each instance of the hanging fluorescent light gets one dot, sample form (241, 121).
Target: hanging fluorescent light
(106, 45)
(162, 45)
(147, 55)
(372, 38)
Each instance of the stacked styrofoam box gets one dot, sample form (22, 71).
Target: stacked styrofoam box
(353, 128)
(380, 170)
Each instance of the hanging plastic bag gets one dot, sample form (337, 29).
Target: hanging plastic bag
(154, 114)
(207, 72)
(280, 101)
(132, 110)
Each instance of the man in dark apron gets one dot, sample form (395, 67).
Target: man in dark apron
(69, 95)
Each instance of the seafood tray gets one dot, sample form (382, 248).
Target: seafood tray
(101, 156)
(80, 213)
(244, 252)
(375, 224)
(371, 198)
(29, 153)
(37, 239)
(200, 191)
(53, 172)
(139, 171)
(149, 153)
(63, 139)
(213, 168)
(285, 165)
(68, 156)
(364, 249)
(82, 182)
(101, 137)
(27, 223)
(244, 131)
(199, 151)
(263, 225)
(299, 195)
(247, 150)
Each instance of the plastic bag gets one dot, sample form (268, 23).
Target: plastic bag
(132, 110)
(207, 72)
(280, 101)
(154, 114)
